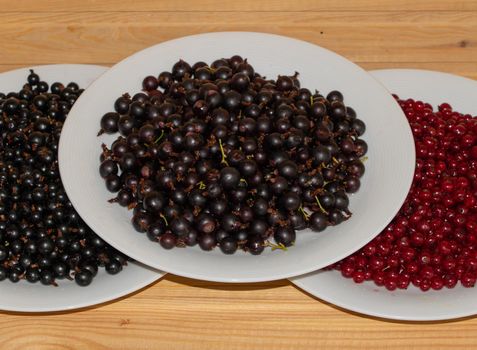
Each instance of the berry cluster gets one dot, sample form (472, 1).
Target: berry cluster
(219, 155)
(432, 242)
(42, 237)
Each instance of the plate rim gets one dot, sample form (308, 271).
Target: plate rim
(362, 312)
(21, 309)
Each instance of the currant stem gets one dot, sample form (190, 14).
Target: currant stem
(160, 137)
(321, 207)
(164, 218)
(280, 246)
(224, 157)
(304, 213)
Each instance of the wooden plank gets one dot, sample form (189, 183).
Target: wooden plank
(371, 37)
(242, 5)
(239, 17)
(178, 313)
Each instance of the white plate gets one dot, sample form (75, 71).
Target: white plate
(389, 169)
(411, 304)
(26, 297)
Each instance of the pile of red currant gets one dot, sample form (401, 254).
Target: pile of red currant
(432, 241)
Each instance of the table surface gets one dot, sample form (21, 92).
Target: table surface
(177, 313)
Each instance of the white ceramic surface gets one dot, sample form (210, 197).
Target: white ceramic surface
(389, 169)
(410, 304)
(26, 297)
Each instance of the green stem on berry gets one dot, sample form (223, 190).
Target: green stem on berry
(280, 246)
(164, 218)
(224, 157)
(304, 213)
(321, 207)
(160, 137)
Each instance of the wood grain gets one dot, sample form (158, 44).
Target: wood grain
(233, 6)
(178, 313)
(111, 36)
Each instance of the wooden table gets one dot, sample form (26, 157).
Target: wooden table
(177, 313)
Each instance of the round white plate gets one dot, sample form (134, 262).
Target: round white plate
(389, 169)
(411, 304)
(26, 297)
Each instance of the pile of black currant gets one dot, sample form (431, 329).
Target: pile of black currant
(42, 237)
(219, 155)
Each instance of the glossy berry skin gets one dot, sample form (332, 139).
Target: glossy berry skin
(288, 169)
(33, 78)
(229, 177)
(335, 96)
(290, 201)
(285, 235)
(83, 278)
(239, 81)
(109, 122)
(153, 201)
(113, 267)
(318, 221)
(180, 69)
(32, 275)
(168, 240)
(179, 226)
(150, 83)
(255, 245)
(107, 168)
(207, 242)
(228, 245)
